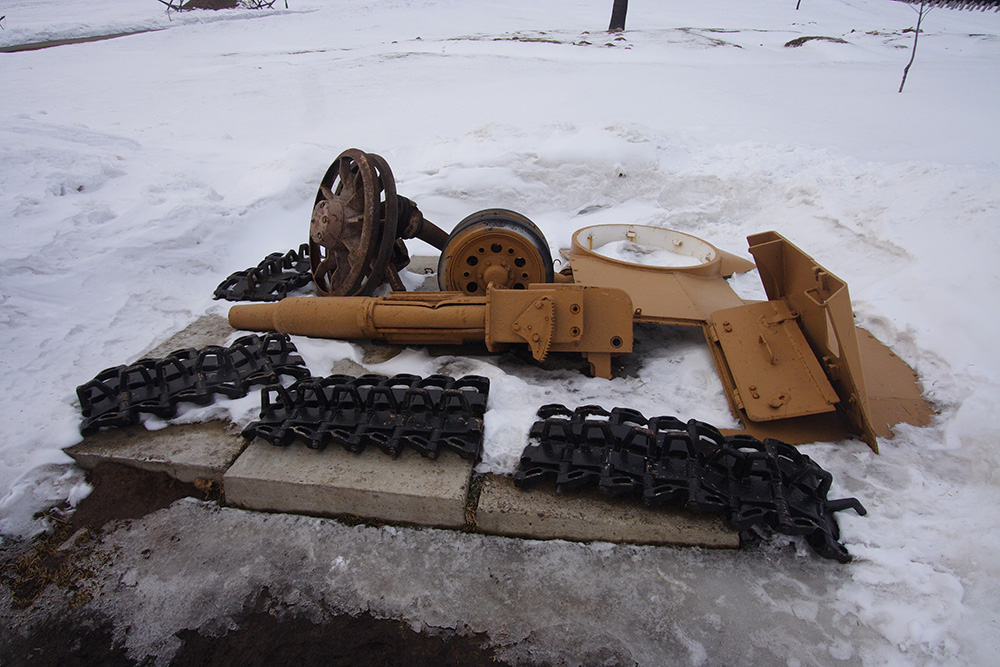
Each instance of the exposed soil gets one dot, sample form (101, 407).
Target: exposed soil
(66, 640)
(263, 639)
(36, 46)
(260, 640)
(799, 41)
(120, 493)
(211, 4)
(76, 637)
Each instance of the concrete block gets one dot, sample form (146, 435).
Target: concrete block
(348, 367)
(332, 482)
(186, 452)
(425, 266)
(205, 331)
(588, 515)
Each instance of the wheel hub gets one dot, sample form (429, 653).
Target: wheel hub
(494, 247)
(357, 226)
(328, 220)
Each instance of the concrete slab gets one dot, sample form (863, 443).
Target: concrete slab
(205, 331)
(332, 482)
(426, 266)
(588, 515)
(186, 452)
(371, 485)
(347, 367)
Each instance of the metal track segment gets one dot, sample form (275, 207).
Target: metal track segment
(664, 460)
(117, 396)
(271, 280)
(427, 415)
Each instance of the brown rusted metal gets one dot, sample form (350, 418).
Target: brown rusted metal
(349, 231)
(413, 225)
(358, 221)
(593, 321)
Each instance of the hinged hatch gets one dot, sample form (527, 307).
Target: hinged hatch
(775, 372)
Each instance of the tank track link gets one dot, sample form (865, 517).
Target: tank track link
(427, 415)
(117, 396)
(663, 460)
(271, 280)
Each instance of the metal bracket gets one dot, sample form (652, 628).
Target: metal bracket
(537, 326)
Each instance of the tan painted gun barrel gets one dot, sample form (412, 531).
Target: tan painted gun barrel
(593, 321)
(448, 319)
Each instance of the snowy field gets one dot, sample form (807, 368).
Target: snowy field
(136, 173)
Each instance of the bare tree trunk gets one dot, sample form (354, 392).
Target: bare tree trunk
(618, 16)
(913, 53)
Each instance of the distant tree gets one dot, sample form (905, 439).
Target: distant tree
(923, 7)
(922, 11)
(182, 5)
(618, 16)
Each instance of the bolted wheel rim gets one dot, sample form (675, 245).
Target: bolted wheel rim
(497, 247)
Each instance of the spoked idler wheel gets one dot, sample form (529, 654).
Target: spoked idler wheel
(353, 226)
(494, 246)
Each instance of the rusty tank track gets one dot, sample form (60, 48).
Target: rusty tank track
(117, 396)
(427, 415)
(663, 460)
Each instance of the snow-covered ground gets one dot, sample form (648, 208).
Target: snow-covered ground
(136, 173)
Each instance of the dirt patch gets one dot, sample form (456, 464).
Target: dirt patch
(123, 493)
(262, 638)
(211, 4)
(35, 46)
(224, 4)
(120, 493)
(65, 640)
(263, 634)
(799, 41)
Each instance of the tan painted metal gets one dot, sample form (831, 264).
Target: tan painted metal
(494, 247)
(671, 295)
(593, 321)
(848, 355)
(794, 367)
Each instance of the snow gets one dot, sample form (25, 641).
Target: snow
(646, 255)
(136, 173)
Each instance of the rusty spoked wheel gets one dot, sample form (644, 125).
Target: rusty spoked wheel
(495, 246)
(353, 226)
